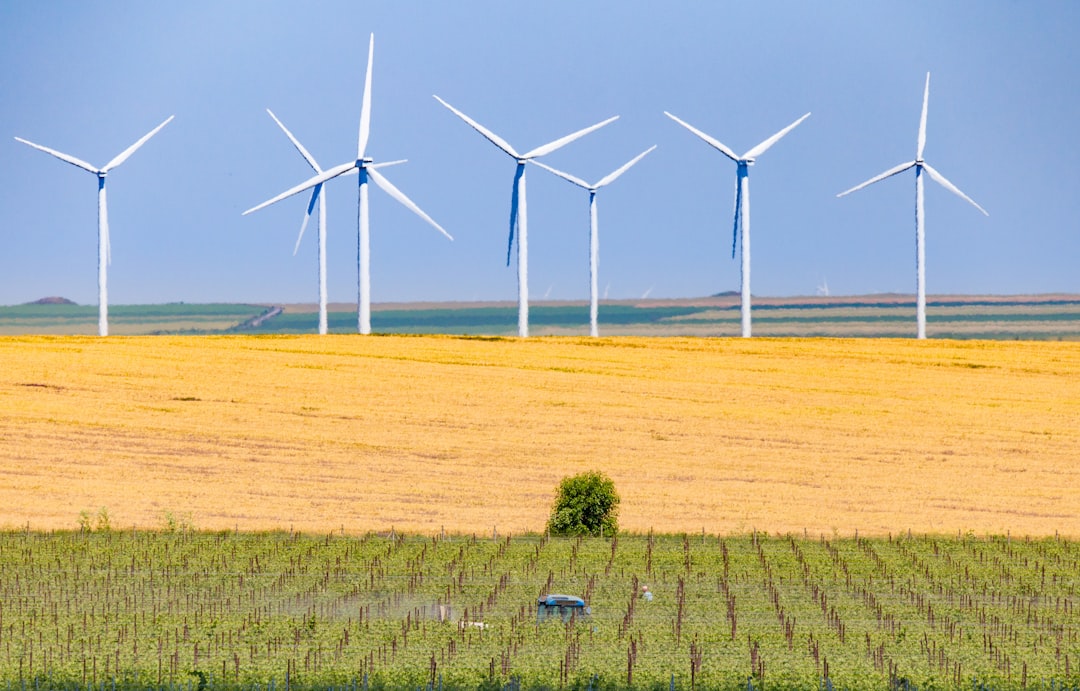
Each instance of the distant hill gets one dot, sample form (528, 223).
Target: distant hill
(52, 301)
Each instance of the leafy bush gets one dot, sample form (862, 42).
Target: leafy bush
(173, 523)
(586, 504)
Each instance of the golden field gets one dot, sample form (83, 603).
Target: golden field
(470, 435)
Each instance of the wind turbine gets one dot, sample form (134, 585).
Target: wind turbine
(366, 169)
(317, 194)
(920, 230)
(742, 201)
(823, 289)
(594, 232)
(104, 249)
(517, 202)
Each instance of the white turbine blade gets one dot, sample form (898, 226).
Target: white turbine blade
(765, 145)
(888, 173)
(488, 134)
(611, 177)
(738, 208)
(922, 120)
(317, 180)
(565, 176)
(519, 170)
(307, 216)
(134, 147)
(711, 141)
(560, 143)
(387, 164)
(365, 108)
(405, 201)
(952, 188)
(299, 147)
(78, 162)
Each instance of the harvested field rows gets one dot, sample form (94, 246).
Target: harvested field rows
(432, 433)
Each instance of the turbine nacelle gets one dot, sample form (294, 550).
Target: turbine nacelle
(364, 162)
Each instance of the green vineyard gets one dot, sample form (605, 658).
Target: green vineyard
(179, 609)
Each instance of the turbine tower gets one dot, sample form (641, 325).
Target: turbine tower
(104, 249)
(920, 227)
(741, 227)
(518, 218)
(317, 194)
(367, 169)
(594, 231)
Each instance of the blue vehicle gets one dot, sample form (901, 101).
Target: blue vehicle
(561, 607)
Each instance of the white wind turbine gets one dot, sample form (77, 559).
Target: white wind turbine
(317, 194)
(594, 231)
(518, 217)
(104, 249)
(920, 231)
(742, 202)
(366, 169)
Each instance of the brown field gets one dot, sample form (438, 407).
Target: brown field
(430, 433)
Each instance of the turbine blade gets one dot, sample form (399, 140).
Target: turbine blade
(488, 134)
(888, 173)
(952, 188)
(518, 172)
(560, 143)
(387, 164)
(767, 144)
(318, 179)
(134, 147)
(397, 194)
(922, 120)
(611, 177)
(365, 108)
(738, 208)
(711, 141)
(565, 176)
(307, 216)
(78, 162)
(299, 147)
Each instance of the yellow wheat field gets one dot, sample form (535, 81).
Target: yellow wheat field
(432, 433)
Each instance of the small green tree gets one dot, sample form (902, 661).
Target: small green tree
(586, 504)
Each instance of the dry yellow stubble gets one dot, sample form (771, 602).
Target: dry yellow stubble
(470, 435)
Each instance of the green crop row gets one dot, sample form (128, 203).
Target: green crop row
(145, 609)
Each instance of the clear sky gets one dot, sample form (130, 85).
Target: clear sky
(91, 78)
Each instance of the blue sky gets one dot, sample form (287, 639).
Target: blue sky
(91, 78)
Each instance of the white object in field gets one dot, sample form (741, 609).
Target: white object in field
(741, 228)
(594, 231)
(518, 215)
(920, 218)
(366, 169)
(104, 247)
(317, 195)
